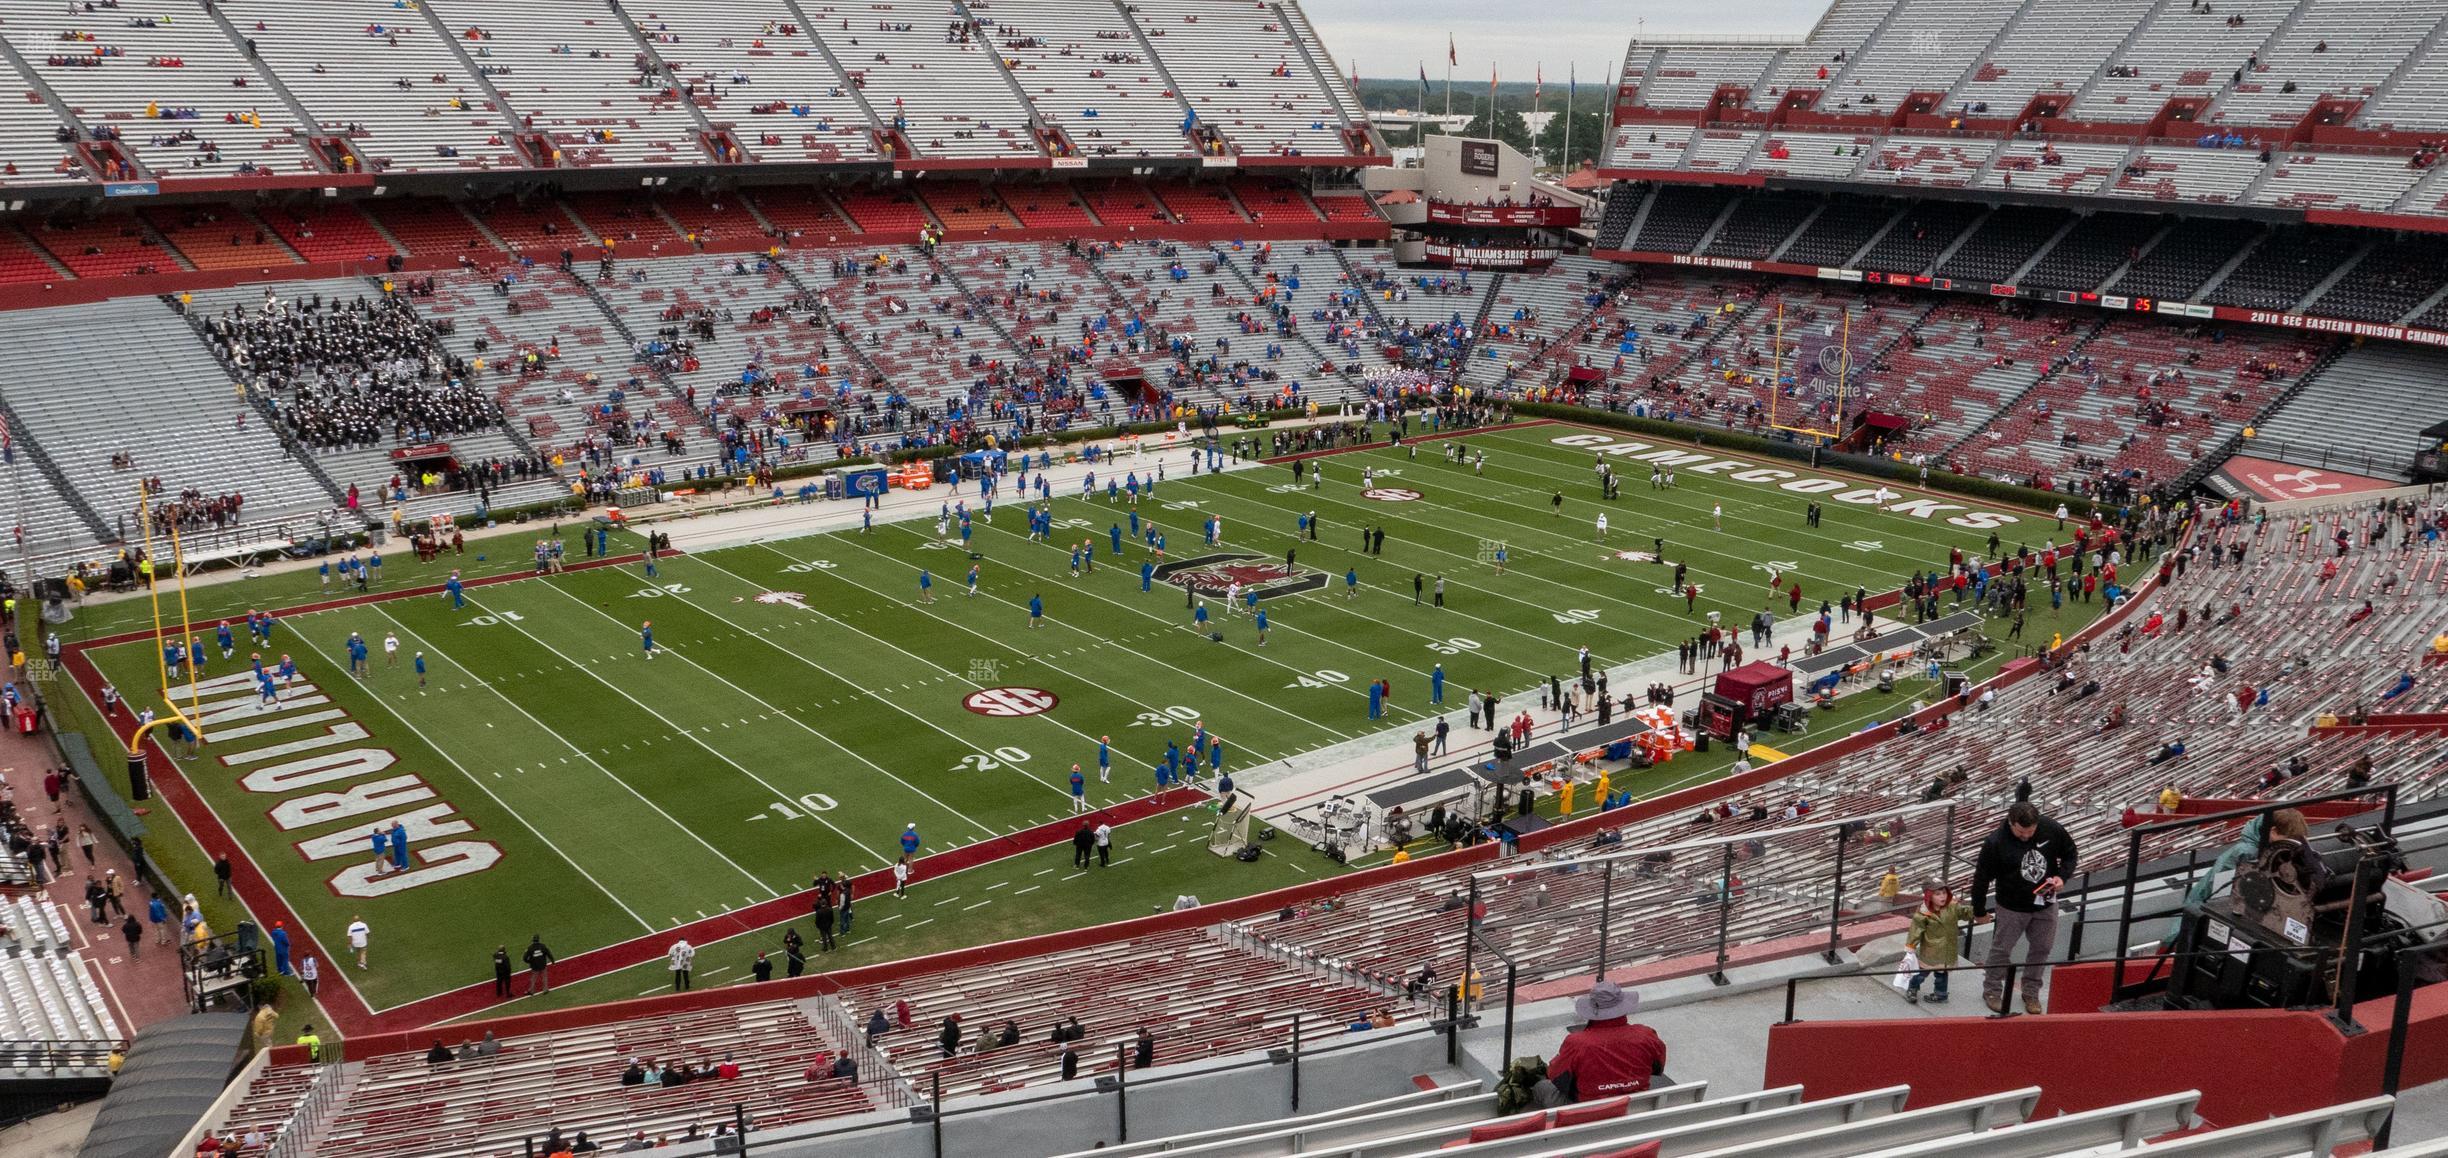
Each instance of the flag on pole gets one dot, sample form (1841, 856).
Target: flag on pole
(1491, 109)
(1450, 59)
(1423, 74)
(1538, 83)
(1572, 85)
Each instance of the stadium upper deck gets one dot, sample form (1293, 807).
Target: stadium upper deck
(177, 96)
(2319, 109)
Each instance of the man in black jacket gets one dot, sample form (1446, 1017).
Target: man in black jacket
(2027, 860)
(538, 959)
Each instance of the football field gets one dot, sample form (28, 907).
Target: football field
(803, 705)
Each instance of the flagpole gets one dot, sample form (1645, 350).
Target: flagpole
(1572, 96)
(1538, 92)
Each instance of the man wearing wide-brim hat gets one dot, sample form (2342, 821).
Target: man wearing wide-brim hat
(1608, 1055)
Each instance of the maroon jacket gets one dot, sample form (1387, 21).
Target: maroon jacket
(1607, 1057)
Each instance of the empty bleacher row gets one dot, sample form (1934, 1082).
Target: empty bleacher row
(2365, 412)
(1203, 995)
(1910, 92)
(571, 1079)
(251, 88)
(48, 998)
(2322, 270)
(1781, 1122)
(221, 448)
(170, 240)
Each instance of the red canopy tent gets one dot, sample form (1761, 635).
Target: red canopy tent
(1750, 692)
(1758, 686)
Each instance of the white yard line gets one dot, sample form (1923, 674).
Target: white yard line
(675, 728)
(419, 733)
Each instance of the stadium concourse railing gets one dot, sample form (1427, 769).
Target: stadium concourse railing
(1716, 877)
(1308, 1040)
(2378, 464)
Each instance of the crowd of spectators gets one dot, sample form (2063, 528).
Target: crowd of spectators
(352, 375)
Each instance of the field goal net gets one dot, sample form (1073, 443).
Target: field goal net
(1231, 831)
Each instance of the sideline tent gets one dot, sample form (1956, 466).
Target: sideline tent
(174, 1073)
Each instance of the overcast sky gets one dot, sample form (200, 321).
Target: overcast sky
(1392, 38)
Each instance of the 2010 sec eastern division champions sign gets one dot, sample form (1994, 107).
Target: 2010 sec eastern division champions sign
(1836, 489)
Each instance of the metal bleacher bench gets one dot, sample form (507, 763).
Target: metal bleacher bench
(244, 555)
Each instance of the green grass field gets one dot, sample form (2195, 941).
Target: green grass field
(805, 705)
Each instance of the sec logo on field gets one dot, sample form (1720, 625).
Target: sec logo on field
(1007, 702)
(1391, 494)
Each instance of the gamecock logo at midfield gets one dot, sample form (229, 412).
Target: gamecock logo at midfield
(1216, 574)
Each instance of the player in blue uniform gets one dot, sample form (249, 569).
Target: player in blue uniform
(1262, 627)
(646, 638)
(1104, 759)
(288, 672)
(451, 588)
(926, 586)
(973, 579)
(222, 636)
(420, 669)
(1198, 619)
(1147, 575)
(1036, 611)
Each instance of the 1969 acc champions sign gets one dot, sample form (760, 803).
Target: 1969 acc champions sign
(1010, 701)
